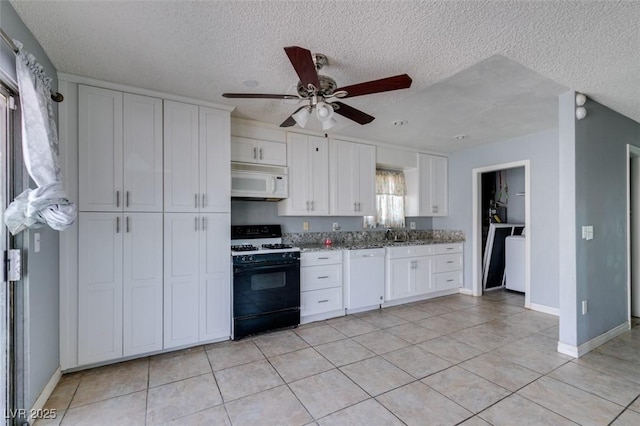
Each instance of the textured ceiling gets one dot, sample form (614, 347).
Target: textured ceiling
(491, 70)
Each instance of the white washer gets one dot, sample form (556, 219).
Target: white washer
(514, 262)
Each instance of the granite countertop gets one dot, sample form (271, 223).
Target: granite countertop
(374, 244)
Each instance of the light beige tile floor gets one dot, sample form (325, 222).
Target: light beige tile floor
(447, 361)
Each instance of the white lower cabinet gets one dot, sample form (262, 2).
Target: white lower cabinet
(197, 299)
(408, 272)
(119, 286)
(321, 288)
(413, 271)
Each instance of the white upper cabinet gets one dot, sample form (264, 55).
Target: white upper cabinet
(353, 173)
(214, 167)
(308, 158)
(251, 143)
(196, 159)
(100, 149)
(120, 151)
(142, 153)
(246, 150)
(432, 173)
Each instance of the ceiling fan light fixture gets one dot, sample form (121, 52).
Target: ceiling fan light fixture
(301, 117)
(327, 124)
(324, 111)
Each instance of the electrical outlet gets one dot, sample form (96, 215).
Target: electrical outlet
(335, 226)
(412, 225)
(36, 242)
(305, 226)
(587, 232)
(584, 307)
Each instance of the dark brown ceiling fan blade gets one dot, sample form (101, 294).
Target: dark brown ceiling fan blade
(257, 96)
(352, 113)
(290, 121)
(302, 62)
(402, 81)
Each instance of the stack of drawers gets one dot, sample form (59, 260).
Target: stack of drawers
(447, 266)
(321, 285)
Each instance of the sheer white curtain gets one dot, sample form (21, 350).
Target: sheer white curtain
(48, 203)
(391, 189)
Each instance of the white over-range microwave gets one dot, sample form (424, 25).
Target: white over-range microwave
(254, 181)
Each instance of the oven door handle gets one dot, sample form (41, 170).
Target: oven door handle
(252, 268)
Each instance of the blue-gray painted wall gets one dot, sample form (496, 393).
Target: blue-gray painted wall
(542, 151)
(265, 212)
(41, 281)
(601, 201)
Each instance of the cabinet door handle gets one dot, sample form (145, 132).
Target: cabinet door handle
(359, 208)
(323, 277)
(312, 207)
(261, 153)
(204, 223)
(126, 199)
(323, 258)
(204, 200)
(127, 224)
(450, 248)
(117, 198)
(449, 261)
(434, 209)
(449, 281)
(195, 200)
(323, 301)
(355, 207)
(255, 157)
(118, 225)
(196, 224)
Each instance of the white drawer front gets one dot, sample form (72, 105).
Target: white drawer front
(318, 277)
(447, 262)
(316, 258)
(447, 248)
(447, 280)
(319, 301)
(408, 251)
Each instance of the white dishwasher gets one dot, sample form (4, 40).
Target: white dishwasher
(364, 285)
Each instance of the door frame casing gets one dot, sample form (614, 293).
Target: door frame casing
(476, 241)
(631, 152)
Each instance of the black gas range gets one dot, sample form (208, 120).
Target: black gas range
(266, 280)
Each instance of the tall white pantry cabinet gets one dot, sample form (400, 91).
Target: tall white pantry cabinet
(151, 269)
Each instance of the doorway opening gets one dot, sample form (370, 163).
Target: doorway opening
(493, 222)
(633, 225)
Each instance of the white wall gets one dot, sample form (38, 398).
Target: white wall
(542, 151)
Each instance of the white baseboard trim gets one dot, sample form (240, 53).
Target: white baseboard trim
(586, 347)
(467, 291)
(545, 309)
(38, 405)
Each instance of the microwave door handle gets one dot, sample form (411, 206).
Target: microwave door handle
(273, 184)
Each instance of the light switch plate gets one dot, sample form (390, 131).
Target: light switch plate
(412, 225)
(587, 232)
(305, 226)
